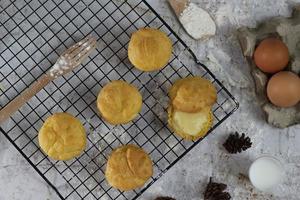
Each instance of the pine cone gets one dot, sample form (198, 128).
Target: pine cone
(221, 196)
(164, 198)
(213, 188)
(214, 191)
(236, 143)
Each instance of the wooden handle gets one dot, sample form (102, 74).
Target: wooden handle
(25, 96)
(178, 6)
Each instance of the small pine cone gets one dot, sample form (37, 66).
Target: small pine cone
(236, 143)
(221, 196)
(219, 186)
(164, 198)
(213, 189)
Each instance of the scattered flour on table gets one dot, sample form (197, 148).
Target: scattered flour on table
(216, 62)
(197, 22)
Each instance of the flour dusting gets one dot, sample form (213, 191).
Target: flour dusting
(197, 22)
(75, 53)
(59, 67)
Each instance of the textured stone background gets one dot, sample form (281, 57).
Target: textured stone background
(187, 179)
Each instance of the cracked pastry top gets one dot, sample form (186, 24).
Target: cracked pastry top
(191, 94)
(128, 167)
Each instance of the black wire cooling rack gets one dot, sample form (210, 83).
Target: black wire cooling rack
(33, 34)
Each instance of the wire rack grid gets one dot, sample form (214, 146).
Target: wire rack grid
(34, 33)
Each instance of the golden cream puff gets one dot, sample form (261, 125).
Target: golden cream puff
(129, 167)
(62, 137)
(189, 112)
(149, 49)
(119, 102)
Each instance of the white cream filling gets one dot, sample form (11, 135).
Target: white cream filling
(190, 123)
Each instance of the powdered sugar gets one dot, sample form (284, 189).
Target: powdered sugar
(197, 22)
(73, 57)
(59, 67)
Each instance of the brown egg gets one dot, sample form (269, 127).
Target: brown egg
(271, 55)
(283, 89)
